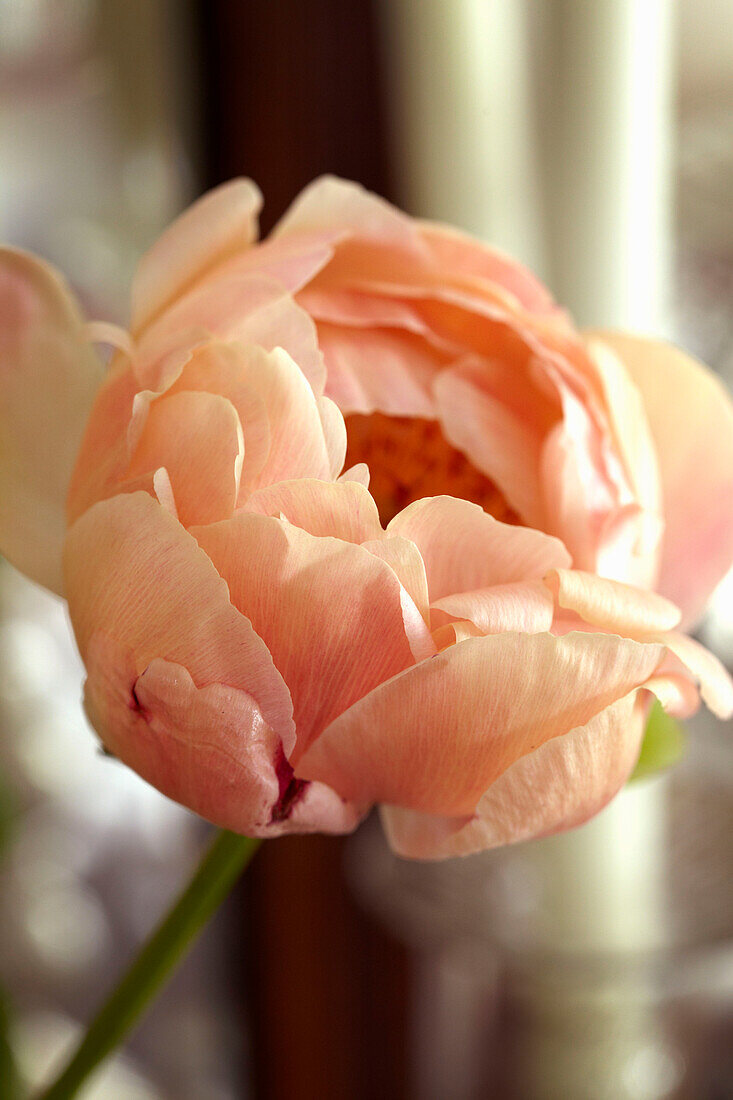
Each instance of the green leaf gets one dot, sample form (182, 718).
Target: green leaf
(665, 742)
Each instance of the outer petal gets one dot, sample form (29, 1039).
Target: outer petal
(103, 455)
(577, 774)
(465, 549)
(342, 509)
(320, 604)
(246, 306)
(221, 223)
(134, 574)
(197, 436)
(48, 378)
(329, 203)
(523, 606)
(298, 445)
(691, 419)
(405, 558)
(461, 254)
(437, 736)
(179, 685)
(716, 685)
(610, 605)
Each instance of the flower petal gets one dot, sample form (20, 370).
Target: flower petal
(248, 307)
(612, 606)
(135, 575)
(577, 775)
(523, 606)
(405, 558)
(221, 223)
(49, 376)
(691, 419)
(459, 254)
(465, 549)
(499, 441)
(298, 446)
(437, 736)
(208, 748)
(716, 684)
(320, 604)
(372, 369)
(343, 509)
(197, 436)
(334, 433)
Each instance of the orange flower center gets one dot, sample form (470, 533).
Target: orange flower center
(410, 458)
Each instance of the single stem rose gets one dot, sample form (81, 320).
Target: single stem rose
(216, 874)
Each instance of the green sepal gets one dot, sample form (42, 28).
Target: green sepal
(665, 742)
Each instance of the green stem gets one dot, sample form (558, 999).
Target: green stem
(216, 874)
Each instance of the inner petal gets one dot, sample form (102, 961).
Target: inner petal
(410, 458)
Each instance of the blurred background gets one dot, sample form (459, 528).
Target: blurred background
(595, 142)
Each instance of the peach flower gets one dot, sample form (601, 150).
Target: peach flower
(457, 373)
(257, 644)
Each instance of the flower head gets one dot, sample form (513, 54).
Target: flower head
(474, 643)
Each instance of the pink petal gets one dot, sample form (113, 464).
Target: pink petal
(334, 433)
(523, 606)
(208, 748)
(135, 575)
(329, 204)
(359, 473)
(197, 436)
(437, 736)
(298, 444)
(248, 307)
(558, 786)
(221, 223)
(221, 369)
(343, 509)
(49, 376)
(457, 253)
(319, 603)
(500, 442)
(379, 370)
(405, 559)
(104, 456)
(716, 685)
(630, 425)
(465, 549)
(691, 418)
(612, 606)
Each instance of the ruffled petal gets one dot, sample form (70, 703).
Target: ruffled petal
(208, 748)
(465, 549)
(135, 575)
(524, 606)
(500, 441)
(714, 680)
(248, 307)
(379, 370)
(405, 558)
(577, 774)
(343, 509)
(320, 604)
(197, 436)
(49, 376)
(691, 419)
(437, 736)
(459, 254)
(612, 606)
(221, 223)
(298, 446)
